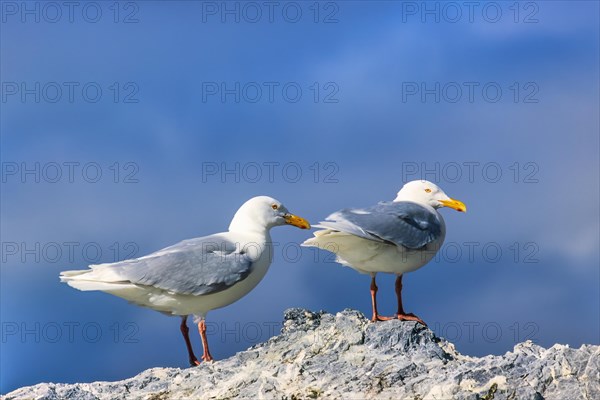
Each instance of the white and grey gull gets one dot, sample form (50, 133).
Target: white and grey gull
(196, 275)
(391, 237)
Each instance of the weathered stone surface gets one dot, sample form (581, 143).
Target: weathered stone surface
(344, 356)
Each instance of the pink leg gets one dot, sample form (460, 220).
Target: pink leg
(401, 315)
(185, 332)
(202, 329)
(376, 316)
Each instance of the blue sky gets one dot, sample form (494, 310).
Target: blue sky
(501, 110)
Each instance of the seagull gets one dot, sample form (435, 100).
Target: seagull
(391, 237)
(196, 275)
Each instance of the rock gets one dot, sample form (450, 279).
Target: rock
(344, 356)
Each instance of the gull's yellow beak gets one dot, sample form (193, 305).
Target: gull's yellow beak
(296, 221)
(455, 204)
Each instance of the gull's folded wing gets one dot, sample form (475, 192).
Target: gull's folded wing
(401, 223)
(192, 267)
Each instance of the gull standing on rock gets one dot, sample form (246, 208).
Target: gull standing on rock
(196, 275)
(392, 237)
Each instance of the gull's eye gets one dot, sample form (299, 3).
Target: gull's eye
(274, 206)
(427, 190)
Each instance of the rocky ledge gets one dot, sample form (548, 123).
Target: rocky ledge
(344, 356)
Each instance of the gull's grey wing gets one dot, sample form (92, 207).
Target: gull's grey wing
(193, 267)
(401, 223)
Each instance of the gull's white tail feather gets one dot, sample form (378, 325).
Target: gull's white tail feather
(86, 285)
(99, 277)
(64, 275)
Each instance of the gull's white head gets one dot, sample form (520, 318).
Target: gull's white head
(425, 192)
(263, 212)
